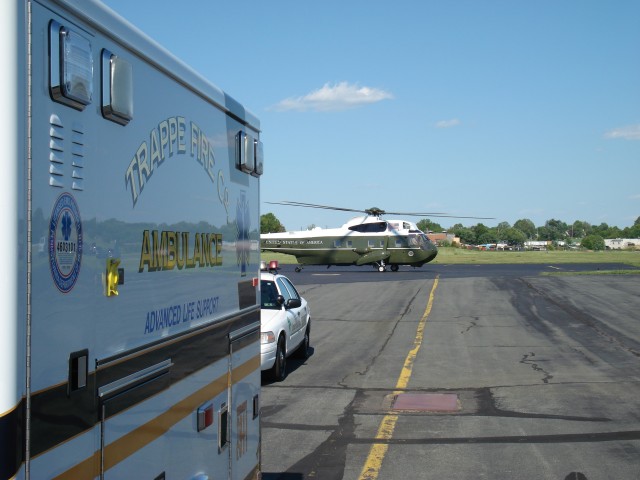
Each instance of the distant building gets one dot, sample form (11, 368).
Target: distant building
(440, 238)
(622, 243)
(537, 244)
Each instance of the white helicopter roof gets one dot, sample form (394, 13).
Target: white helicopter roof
(362, 220)
(396, 225)
(392, 224)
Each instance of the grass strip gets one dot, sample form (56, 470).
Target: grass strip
(458, 256)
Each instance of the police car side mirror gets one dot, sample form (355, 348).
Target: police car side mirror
(293, 303)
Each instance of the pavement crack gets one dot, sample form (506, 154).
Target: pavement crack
(374, 358)
(527, 360)
(328, 460)
(473, 323)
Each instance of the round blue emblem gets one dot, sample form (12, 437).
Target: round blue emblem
(65, 242)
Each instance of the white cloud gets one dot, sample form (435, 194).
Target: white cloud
(631, 132)
(341, 96)
(635, 197)
(454, 122)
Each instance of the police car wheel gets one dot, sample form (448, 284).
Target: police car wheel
(304, 350)
(279, 370)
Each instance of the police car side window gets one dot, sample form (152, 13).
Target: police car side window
(283, 289)
(293, 293)
(292, 289)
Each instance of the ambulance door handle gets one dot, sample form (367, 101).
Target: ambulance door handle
(114, 276)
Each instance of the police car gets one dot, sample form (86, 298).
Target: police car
(285, 322)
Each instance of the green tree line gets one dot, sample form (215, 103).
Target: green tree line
(525, 230)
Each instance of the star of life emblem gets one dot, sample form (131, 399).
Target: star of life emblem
(65, 243)
(243, 226)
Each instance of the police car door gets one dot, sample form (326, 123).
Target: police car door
(294, 315)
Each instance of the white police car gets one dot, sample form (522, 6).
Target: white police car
(285, 322)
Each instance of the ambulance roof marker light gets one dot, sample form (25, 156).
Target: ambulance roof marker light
(70, 67)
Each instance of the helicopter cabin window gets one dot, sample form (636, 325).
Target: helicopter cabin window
(400, 243)
(373, 227)
(341, 244)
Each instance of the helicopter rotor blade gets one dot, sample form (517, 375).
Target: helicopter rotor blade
(313, 205)
(437, 215)
(374, 211)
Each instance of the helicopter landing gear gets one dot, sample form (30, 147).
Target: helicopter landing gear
(381, 266)
(394, 268)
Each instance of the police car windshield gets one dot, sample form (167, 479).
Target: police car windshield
(269, 295)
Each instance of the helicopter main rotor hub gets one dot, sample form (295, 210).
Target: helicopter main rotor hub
(374, 211)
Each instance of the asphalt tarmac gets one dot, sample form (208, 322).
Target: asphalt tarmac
(460, 372)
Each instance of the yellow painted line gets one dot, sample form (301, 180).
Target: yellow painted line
(372, 466)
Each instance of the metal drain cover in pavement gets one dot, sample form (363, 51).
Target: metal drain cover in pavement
(427, 402)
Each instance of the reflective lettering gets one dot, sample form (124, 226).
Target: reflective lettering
(195, 141)
(182, 146)
(155, 150)
(168, 250)
(143, 164)
(163, 128)
(167, 139)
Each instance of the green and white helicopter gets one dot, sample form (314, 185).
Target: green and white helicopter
(363, 240)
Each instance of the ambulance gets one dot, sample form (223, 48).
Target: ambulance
(129, 220)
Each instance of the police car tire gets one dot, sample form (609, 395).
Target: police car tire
(304, 351)
(279, 369)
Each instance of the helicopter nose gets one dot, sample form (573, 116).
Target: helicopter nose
(431, 251)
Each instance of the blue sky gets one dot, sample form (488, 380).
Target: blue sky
(505, 109)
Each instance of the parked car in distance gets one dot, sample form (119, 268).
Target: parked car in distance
(285, 322)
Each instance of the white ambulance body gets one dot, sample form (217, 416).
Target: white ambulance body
(130, 221)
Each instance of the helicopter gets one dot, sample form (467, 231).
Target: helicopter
(363, 240)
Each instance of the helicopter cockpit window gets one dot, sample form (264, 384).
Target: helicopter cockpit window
(373, 227)
(419, 240)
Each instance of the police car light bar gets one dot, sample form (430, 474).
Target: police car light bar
(272, 267)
